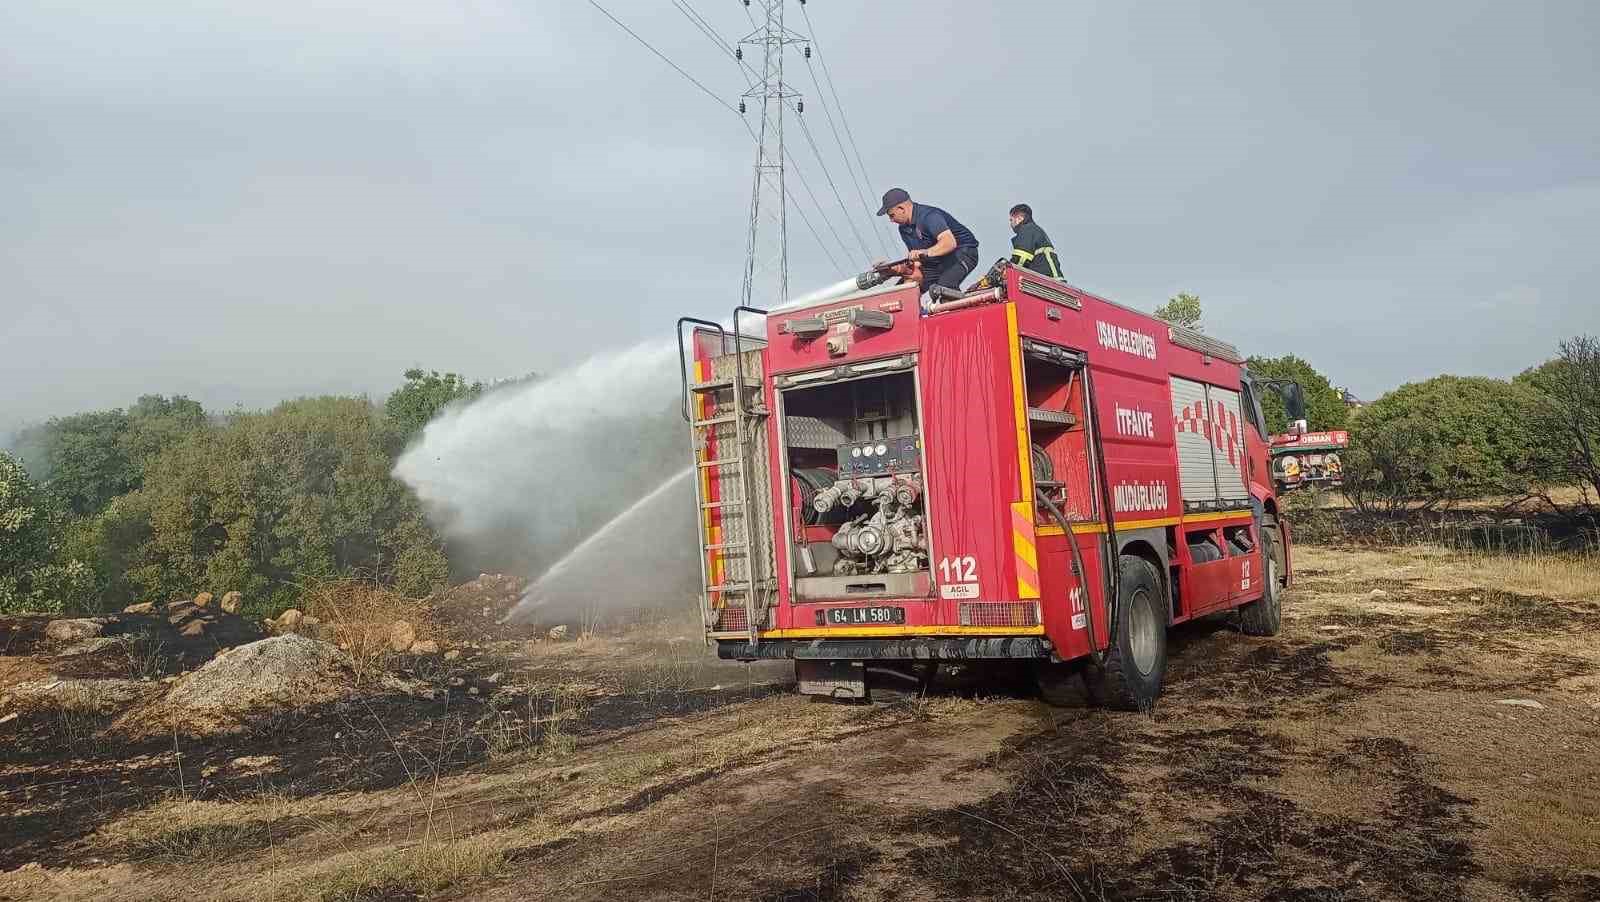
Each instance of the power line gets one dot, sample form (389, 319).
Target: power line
(663, 56)
(821, 212)
(849, 220)
(700, 22)
(835, 91)
(850, 167)
(813, 229)
(729, 107)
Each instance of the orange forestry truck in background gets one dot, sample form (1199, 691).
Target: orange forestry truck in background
(1026, 473)
(1308, 459)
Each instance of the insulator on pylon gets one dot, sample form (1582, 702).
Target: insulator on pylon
(808, 46)
(738, 53)
(800, 106)
(741, 107)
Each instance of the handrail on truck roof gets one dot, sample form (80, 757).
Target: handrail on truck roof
(683, 363)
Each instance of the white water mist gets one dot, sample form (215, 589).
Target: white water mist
(644, 555)
(521, 476)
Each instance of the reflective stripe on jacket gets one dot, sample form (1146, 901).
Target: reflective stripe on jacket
(1031, 249)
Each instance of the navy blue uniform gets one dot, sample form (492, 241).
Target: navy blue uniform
(926, 225)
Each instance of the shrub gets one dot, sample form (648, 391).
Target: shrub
(1431, 444)
(275, 501)
(34, 576)
(1566, 420)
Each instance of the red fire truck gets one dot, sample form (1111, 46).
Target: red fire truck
(1311, 458)
(1026, 473)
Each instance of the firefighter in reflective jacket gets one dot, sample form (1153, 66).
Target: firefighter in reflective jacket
(1030, 246)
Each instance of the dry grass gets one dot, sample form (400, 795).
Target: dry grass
(409, 872)
(75, 717)
(204, 842)
(1565, 576)
(145, 656)
(1558, 576)
(539, 724)
(189, 830)
(358, 616)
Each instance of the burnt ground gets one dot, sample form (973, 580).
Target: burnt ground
(1424, 728)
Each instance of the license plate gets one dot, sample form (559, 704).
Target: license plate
(865, 616)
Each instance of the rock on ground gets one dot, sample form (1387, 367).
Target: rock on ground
(1521, 703)
(287, 669)
(401, 635)
(92, 646)
(75, 629)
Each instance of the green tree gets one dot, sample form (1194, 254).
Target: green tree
(1325, 407)
(32, 578)
(270, 502)
(1183, 309)
(1432, 444)
(87, 459)
(156, 422)
(81, 458)
(1567, 416)
(423, 395)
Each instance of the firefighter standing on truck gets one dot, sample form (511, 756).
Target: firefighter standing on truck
(946, 249)
(1030, 246)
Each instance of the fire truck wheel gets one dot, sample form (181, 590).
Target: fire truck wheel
(1263, 616)
(1135, 664)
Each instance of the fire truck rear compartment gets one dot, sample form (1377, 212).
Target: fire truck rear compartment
(854, 454)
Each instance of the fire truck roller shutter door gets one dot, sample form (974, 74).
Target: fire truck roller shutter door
(1227, 439)
(1191, 418)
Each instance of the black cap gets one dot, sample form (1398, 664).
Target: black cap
(893, 197)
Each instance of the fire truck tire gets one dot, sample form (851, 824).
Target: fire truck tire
(1136, 663)
(1263, 616)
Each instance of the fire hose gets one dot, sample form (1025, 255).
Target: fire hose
(1077, 567)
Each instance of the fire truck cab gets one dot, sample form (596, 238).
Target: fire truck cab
(1029, 473)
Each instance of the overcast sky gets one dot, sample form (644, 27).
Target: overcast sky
(245, 201)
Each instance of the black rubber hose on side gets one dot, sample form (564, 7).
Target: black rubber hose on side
(1077, 565)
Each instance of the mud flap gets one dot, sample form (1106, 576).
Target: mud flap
(834, 679)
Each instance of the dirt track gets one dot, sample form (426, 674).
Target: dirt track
(1367, 753)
